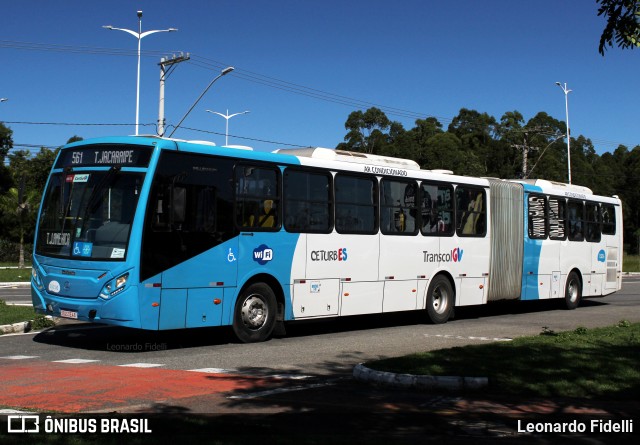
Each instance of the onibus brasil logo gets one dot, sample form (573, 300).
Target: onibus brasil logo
(455, 256)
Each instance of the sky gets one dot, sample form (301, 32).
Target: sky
(301, 67)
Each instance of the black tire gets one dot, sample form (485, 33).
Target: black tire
(440, 300)
(255, 314)
(573, 291)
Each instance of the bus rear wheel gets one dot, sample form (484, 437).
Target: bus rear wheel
(573, 291)
(255, 314)
(440, 299)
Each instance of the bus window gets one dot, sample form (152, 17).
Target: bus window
(557, 218)
(436, 208)
(608, 213)
(593, 222)
(257, 198)
(307, 201)
(398, 207)
(470, 211)
(537, 217)
(575, 213)
(356, 204)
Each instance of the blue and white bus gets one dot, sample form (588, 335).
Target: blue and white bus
(157, 234)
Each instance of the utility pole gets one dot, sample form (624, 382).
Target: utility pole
(166, 68)
(525, 153)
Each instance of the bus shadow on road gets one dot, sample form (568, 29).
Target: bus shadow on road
(515, 307)
(135, 341)
(401, 319)
(121, 340)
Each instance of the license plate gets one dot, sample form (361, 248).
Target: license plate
(68, 314)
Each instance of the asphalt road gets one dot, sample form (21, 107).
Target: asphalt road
(329, 347)
(201, 382)
(15, 294)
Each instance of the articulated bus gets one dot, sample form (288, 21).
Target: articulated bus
(156, 234)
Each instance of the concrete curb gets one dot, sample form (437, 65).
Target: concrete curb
(22, 327)
(15, 328)
(364, 374)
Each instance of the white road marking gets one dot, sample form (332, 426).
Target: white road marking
(20, 357)
(142, 365)
(460, 337)
(214, 371)
(75, 361)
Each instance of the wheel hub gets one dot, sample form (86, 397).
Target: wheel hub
(254, 312)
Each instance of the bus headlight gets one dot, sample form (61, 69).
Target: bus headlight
(114, 287)
(36, 278)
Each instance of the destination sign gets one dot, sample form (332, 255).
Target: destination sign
(105, 154)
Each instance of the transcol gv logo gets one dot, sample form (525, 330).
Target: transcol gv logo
(454, 256)
(262, 254)
(602, 256)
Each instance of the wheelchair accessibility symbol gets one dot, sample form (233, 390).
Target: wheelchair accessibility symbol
(230, 256)
(82, 249)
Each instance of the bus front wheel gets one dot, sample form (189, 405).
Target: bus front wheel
(255, 313)
(573, 291)
(440, 299)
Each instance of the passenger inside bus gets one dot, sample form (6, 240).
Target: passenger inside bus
(471, 217)
(265, 216)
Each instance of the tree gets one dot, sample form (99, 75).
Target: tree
(6, 141)
(425, 128)
(16, 207)
(446, 151)
(623, 23)
(75, 138)
(365, 130)
(476, 131)
(19, 203)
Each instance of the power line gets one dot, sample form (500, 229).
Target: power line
(72, 124)
(211, 64)
(539, 132)
(315, 93)
(250, 76)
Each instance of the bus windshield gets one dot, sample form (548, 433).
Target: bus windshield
(88, 215)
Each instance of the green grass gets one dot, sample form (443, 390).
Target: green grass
(14, 314)
(584, 363)
(10, 314)
(631, 263)
(15, 275)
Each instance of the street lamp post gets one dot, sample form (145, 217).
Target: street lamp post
(227, 117)
(139, 35)
(224, 72)
(566, 107)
